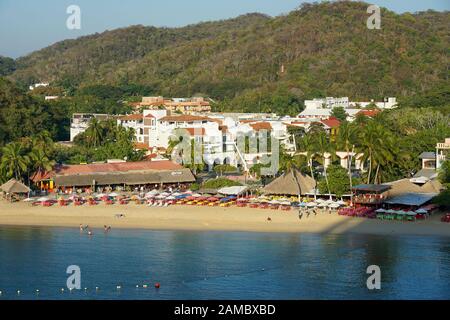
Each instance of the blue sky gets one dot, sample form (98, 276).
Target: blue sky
(26, 25)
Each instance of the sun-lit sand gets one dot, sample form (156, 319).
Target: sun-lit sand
(207, 218)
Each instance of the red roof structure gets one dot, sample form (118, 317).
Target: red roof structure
(332, 122)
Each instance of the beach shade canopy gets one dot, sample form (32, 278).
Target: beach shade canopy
(14, 186)
(176, 194)
(380, 211)
(43, 199)
(342, 203)
(412, 199)
(113, 194)
(28, 199)
(233, 191)
(421, 211)
(311, 205)
(411, 213)
(334, 205)
(292, 183)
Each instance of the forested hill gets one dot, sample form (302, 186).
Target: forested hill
(324, 50)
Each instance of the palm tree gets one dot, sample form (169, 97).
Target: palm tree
(13, 162)
(378, 146)
(307, 144)
(94, 133)
(40, 162)
(322, 147)
(346, 141)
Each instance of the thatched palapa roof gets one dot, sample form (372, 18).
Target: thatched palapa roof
(405, 186)
(14, 186)
(291, 183)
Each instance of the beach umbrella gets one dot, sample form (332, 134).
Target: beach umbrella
(334, 205)
(320, 201)
(160, 197)
(380, 211)
(113, 194)
(28, 200)
(322, 205)
(101, 195)
(170, 198)
(391, 211)
(274, 202)
(43, 199)
(421, 211)
(400, 212)
(176, 194)
(341, 203)
(285, 203)
(165, 194)
(410, 213)
(311, 205)
(196, 195)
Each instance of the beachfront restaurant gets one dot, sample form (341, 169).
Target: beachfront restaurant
(370, 194)
(120, 176)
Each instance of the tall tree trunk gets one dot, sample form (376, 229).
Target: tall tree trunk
(312, 176)
(349, 165)
(376, 174)
(370, 168)
(326, 179)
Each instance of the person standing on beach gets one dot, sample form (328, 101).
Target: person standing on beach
(300, 214)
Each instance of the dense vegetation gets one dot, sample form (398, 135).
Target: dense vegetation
(258, 63)
(7, 66)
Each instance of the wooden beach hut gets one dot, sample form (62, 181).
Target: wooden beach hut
(293, 183)
(14, 190)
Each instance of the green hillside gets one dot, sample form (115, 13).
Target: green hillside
(325, 50)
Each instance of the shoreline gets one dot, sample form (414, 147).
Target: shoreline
(194, 218)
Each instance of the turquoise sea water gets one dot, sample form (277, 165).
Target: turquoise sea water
(220, 265)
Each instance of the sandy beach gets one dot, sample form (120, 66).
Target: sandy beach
(208, 219)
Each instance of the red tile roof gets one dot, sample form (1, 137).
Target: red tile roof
(261, 126)
(369, 113)
(132, 117)
(331, 122)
